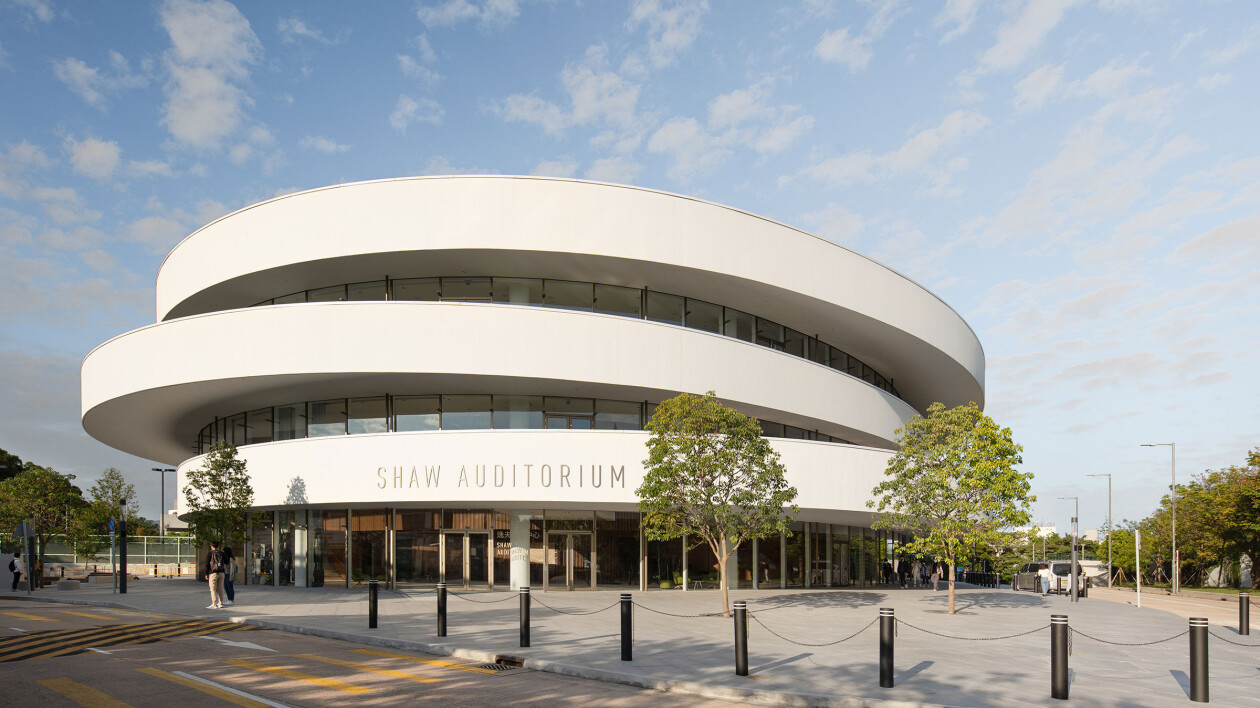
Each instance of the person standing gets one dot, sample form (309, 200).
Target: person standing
(215, 566)
(936, 576)
(15, 565)
(229, 575)
(1044, 574)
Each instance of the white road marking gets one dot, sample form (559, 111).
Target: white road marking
(229, 689)
(240, 645)
(99, 651)
(18, 629)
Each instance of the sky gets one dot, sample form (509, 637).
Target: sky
(1079, 180)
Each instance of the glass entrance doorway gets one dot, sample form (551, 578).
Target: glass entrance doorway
(569, 561)
(466, 558)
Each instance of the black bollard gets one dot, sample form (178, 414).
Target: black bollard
(373, 591)
(441, 610)
(122, 559)
(1059, 656)
(1244, 613)
(627, 640)
(524, 617)
(741, 638)
(887, 631)
(1198, 659)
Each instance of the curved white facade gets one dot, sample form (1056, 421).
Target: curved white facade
(448, 324)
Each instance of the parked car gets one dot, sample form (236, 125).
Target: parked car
(1027, 579)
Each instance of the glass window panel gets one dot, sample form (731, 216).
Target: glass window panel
(617, 415)
(770, 334)
(333, 294)
(466, 289)
(704, 315)
(569, 295)
(518, 412)
(794, 433)
(295, 297)
(236, 429)
(771, 430)
(425, 289)
(855, 367)
(290, 421)
(739, 325)
(374, 290)
(569, 406)
(838, 360)
(416, 413)
(328, 548)
(466, 413)
(793, 342)
(664, 308)
(520, 291)
(616, 300)
(368, 415)
(324, 418)
(263, 303)
(819, 351)
(868, 374)
(368, 532)
(258, 426)
(220, 430)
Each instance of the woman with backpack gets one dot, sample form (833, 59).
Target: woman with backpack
(15, 566)
(215, 566)
(229, 575)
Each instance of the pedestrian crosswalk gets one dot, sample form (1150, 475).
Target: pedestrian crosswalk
(76, 641)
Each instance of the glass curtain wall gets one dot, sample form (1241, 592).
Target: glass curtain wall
(416, 546)
(368, 532)
(617, 553)
(665, 563)
(262, 552)
(285, 546)
(328, 548)
(796, 561)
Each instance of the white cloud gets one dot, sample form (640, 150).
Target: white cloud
(618, 169)
(1236, 48)
(322, 144)
(453, 12)
(212, 48)
(93, 86)
(597, 96)
(916, 155)
(835, 223)
(294, 29)
(39, 10)
(443, 166)
(1022, 35)
(92, 157)
(1236, 242)
(410, 110)
(673, 26)
(957, 15)
(693, 149)
(63, 205)
(562, 167)
(413, 69)
(1215, 81)
(840, 46)
(1110, 80)
(146, 168)
(1186, 39)
(158, 233)
(14, 161)
(1032, 92)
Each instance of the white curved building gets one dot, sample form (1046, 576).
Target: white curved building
(448, 377)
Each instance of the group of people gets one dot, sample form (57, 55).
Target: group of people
(221, 569)
(913, 573)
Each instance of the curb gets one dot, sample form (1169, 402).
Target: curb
(787, 699)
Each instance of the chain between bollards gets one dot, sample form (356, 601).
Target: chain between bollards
(887, 632)
(373, 595)
(1244, 613)
(1199, 659)
(741, 638)
(627, 638)
(1059, 656)
(441, 609)
(524, 617)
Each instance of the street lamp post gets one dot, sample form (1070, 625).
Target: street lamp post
(1176, 559)
(1072, 569)
(162, 504)
(1109, 571)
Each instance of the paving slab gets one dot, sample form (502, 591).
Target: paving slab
(806, 647)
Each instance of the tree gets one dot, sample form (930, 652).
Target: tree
(712, 478)
(50, 501)
(953, 483)
(10, 465)
(219, 495)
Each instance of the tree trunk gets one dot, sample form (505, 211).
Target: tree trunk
(951, 586)
(726, 592)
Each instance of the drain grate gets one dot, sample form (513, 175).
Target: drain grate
(496, 667)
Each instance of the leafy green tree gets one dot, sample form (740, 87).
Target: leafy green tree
(219, 495)
(954, 484)
(712, 478)
(48, 499)
(10, 465)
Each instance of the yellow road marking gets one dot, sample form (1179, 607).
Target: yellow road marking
(87, 614)
(431, 662)
(299, 676)
(368, 667)
(204, 688)
(139, 614)
(34, 618)
(82, 694)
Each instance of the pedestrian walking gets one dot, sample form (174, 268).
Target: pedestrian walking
(215, 567)
(936, 576)
(16, 567)
(229, 575)
(1044, 574)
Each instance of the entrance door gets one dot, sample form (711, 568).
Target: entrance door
(569, 562)
(467, 558)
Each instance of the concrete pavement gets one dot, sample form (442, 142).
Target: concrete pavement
(795, 658)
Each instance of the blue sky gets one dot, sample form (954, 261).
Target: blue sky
(1080, 180)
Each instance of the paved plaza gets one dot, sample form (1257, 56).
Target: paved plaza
(794, 656)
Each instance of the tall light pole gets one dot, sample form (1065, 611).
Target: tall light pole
(162, 506)
(1176, 559)
(1072, 570)
(1108, 476)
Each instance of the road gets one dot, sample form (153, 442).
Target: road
(58, 655)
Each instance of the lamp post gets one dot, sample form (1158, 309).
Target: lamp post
(1176, 559)
(1108, 476)
(1072, 569)
(162, 505)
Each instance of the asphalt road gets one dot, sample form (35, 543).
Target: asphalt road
(58, 655)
